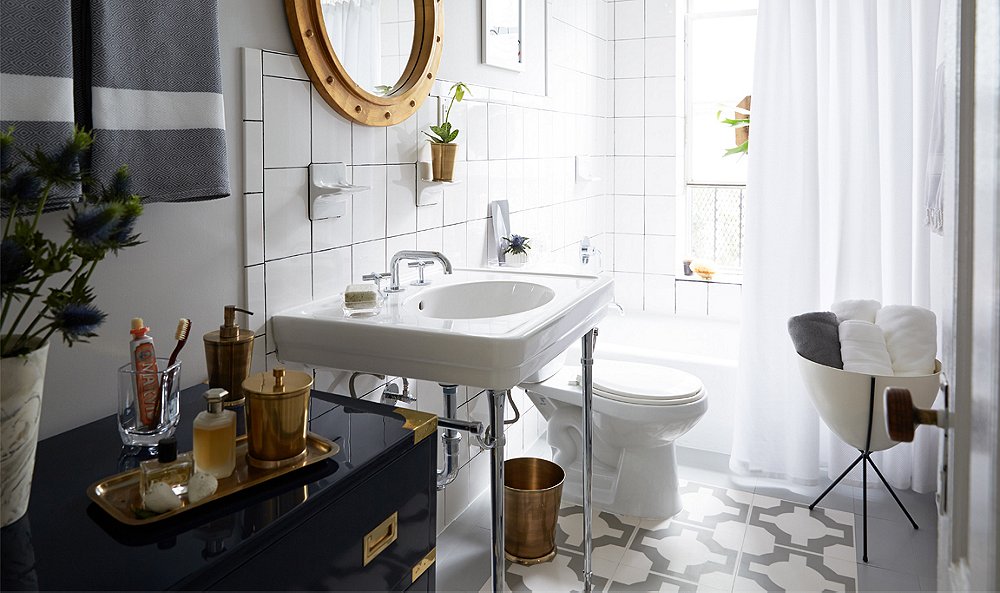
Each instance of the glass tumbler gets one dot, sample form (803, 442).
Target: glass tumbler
(148, 411)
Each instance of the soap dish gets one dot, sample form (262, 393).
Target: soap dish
(119, 494)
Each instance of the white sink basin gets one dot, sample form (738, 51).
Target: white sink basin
(483, 328)
(478, 300)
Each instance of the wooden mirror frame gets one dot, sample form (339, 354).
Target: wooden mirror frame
(334, 84)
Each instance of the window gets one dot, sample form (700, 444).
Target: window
(719, 47)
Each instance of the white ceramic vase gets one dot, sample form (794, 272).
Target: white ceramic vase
(20, 409)
(517, 260)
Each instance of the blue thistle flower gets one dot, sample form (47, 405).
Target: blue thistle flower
(25, 188)
(6, 149)
(121, 184)
(78, 320)
(517, 244)
(93, 225)
(14, 262)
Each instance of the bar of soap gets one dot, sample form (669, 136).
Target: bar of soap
(360, 294)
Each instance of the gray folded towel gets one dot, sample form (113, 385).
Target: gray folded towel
(816, 337)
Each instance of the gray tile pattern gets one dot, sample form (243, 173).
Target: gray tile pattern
(730, 537)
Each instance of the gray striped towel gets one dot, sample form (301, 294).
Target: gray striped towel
(36, 75)
(148, 82)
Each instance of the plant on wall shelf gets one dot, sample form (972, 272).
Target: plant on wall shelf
(443, 132)
(443, 147)
(517, 245)
(741, 123)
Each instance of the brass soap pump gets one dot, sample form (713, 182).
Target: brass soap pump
(228, 353)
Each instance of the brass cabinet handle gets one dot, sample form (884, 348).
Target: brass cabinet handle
(380, 538)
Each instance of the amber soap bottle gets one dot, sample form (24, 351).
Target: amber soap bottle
(215, 437)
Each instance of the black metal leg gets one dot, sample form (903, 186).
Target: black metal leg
(835, 482)
(864, 503)
(893, 493)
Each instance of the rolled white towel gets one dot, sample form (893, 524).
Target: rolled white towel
(911, 338)
(863, 349)
(861, 309)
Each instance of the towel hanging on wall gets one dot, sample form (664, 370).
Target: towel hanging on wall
(36, 75)
(147, 79)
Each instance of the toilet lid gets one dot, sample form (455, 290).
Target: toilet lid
(646, 384)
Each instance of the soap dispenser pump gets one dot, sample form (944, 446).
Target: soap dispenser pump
(228, 354)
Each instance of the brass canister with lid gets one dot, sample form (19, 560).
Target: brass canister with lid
(277, 410)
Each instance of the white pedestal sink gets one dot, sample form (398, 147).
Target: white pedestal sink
(482, 328)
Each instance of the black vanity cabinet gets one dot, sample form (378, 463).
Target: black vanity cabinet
(363, 520)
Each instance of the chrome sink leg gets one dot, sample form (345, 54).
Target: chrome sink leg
(496, 400)
(587, 363)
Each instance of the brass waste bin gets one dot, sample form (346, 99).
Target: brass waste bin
(532, 491)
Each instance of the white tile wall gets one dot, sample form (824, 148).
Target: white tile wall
(512, 146)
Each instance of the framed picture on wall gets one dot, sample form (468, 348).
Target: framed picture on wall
(503, 28)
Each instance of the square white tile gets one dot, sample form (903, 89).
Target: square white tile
(629, 96)
(331, 272)
(661, 136)
(402, 142)
(331, 133)
(629, 214)
(369, 208)
(660, 97)
(366, 258)
(660, 18)
(453, 244)
(498, 180)
(660, 56)
(629, 290)
(724, 300)
(629, 58)
(661, 176)
(628, 253)
(287, 228)
(629, 175)
(255, 299)
(289, 283)
(401, 199)
(286, 122)
(497, 131)
(477, 134)
(692, 298)
(456, 196)
(283, 65)
(368, 144)
(629, 135)
(659, 292)
(328, 233)
(660, 255)
(661, 215)
(629, 19)
(478, 189)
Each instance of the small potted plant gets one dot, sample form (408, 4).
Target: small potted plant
(741, 123)
(443, 145)
(46, 285)
(516, 250)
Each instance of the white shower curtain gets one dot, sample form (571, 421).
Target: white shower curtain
(842, 101)
(355, 29)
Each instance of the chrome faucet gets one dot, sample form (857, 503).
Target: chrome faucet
(414, 255)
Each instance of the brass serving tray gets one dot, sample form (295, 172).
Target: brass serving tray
(119, 494)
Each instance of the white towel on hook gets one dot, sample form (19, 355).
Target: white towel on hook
(862, 346)
(910, 337)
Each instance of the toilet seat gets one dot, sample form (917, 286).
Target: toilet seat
(644, 384)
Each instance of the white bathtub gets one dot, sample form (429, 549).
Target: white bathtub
(706, 348)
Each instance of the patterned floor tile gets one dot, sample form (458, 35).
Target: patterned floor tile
(611, 533)
(685, 552)
(630, 578)
(707, 506)
(562, 574)
(821, 531)
(785, 569)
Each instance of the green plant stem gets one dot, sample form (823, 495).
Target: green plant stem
(41, 205)
(41, 314)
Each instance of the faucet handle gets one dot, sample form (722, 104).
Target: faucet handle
(377, 278)
(420, 264)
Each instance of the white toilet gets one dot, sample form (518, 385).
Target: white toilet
(639, 411)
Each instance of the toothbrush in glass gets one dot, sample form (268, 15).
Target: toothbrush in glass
(181, 335)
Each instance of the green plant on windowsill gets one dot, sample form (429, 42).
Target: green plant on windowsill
(741, 126)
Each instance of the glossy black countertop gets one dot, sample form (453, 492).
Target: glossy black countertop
(65, 541)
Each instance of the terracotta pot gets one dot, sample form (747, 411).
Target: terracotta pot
(443, 160)
(20, 409)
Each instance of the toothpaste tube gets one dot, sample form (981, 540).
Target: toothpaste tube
(146, 378)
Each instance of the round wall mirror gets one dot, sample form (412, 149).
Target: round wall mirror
(374, 61)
